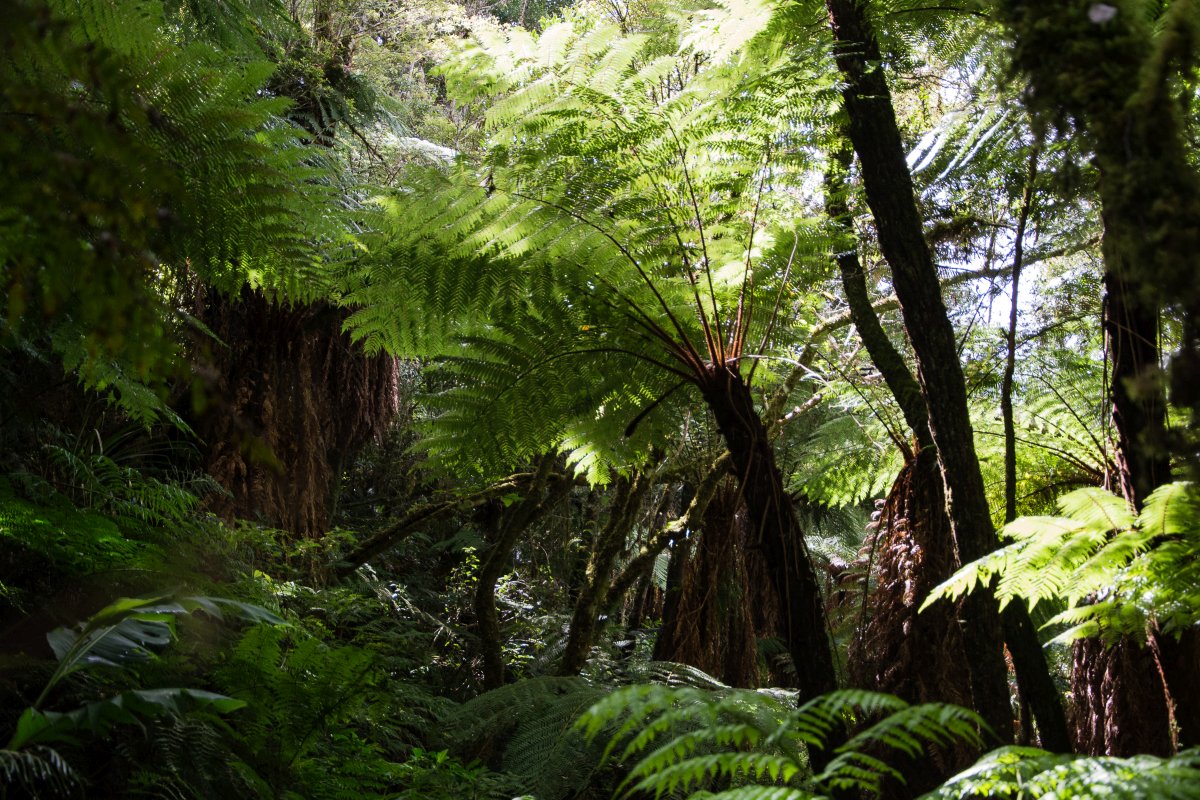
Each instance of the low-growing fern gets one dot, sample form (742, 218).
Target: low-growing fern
(744, 744)
(1026, 773)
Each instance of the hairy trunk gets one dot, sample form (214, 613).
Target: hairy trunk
(917, 657)
(1150, 203)
(1120, 708)
(290, 398)
(774, 529)
(713, 629)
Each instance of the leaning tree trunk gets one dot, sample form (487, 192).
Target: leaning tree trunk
(289, 399)
(608, 543)
(774, 529)
(890, 194)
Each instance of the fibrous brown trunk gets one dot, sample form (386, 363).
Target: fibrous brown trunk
(1036, 687)
(1120, 707)
(289, 399)
(917, 657)
(713, 627)
(774, 529)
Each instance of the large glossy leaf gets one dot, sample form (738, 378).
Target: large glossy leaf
(129, 629)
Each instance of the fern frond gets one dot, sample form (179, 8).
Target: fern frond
(37, 771)
(1028, 772)
(684, 739)
(1114, 570)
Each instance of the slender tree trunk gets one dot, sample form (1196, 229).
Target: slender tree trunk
(642, 563)
(774, 528)
(1150, 200)
(677, 563)
(889, 189)
(1010, 359)
(1033, 676)
(607, 545)
(544, 493)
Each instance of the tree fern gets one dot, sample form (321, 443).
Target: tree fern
(527, 728)
(36, 772)
(622, 225)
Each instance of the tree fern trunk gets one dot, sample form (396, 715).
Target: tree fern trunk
(713, 628)
(774, 529)
(890, 194)
(290, 398)
(1150, 203)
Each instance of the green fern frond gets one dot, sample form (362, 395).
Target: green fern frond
(681, 740)
(1030, 773)
(1114, 570)
(527, 728)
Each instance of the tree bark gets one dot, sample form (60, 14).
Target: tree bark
(1150, 204)
(713, 628)
(890, 194)
(290, 399)
(774, 528)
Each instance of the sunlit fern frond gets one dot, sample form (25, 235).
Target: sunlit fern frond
(1028, 772)
(1115, 571)
(634, 207)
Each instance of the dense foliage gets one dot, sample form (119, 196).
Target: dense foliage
(547, 400)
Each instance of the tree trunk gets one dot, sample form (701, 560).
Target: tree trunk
(290, 399)
(713, 628)
(1120, 707)
(917, 657)
(681, 550)
(1033, 675)
(890, 194)
(544, 493)
(1150, 203)
(608, 543)
(774, 529)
